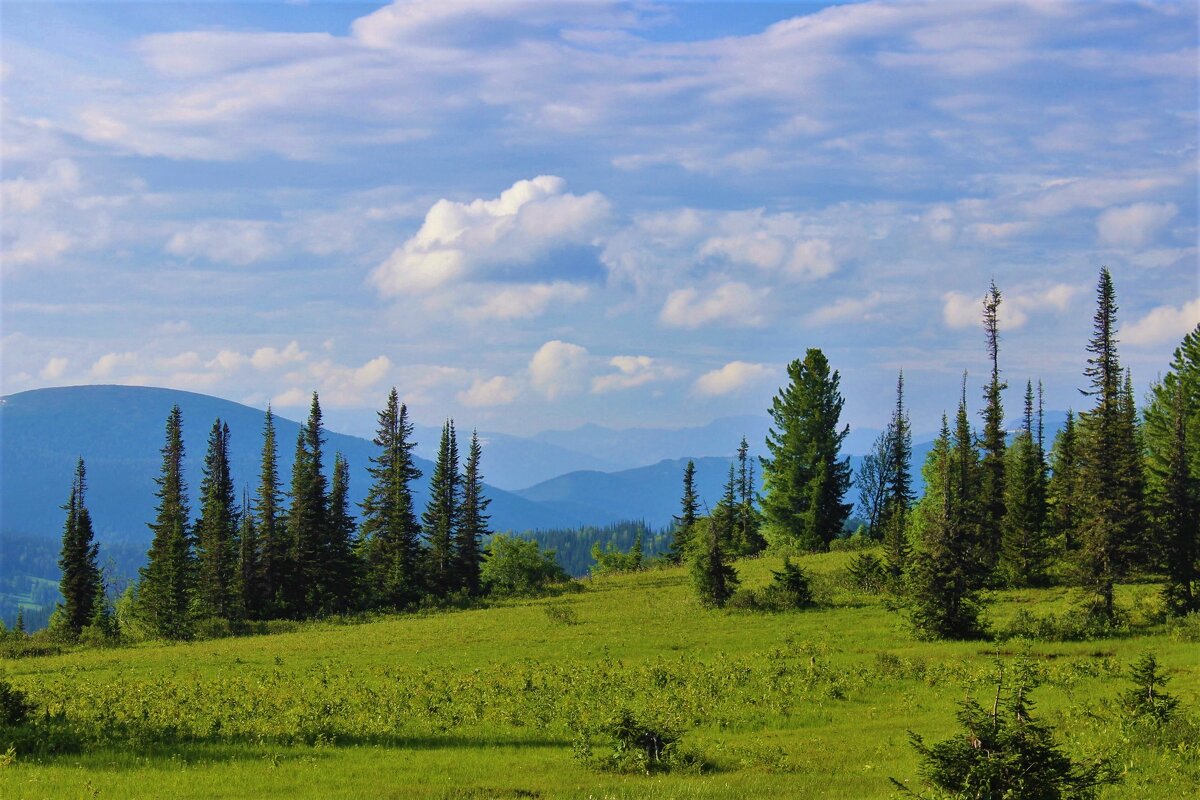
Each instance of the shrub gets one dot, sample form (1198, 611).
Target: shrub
(514, 567)
(15, 707)
(610, 559)
(637, 747)
(1147, 700)
(789, 589)
(1069, 627)
(561, 613)
(867, 573)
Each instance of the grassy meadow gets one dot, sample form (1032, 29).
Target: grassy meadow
(492, 702)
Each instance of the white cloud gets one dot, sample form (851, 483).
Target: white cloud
(526, 223)
(337, 384)
(633, 371)
(845, 310)
(266, 358)
(237, 242)
(733, 303)
(26, 194)
(108, 364)
(733, 377)
(808, 258)
(496, 391)
(55, 368)
(961, 310)
(558, 368)
(526, 300)
(1134, 225)
(1164, 324)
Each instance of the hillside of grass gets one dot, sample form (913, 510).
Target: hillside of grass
(498, 701)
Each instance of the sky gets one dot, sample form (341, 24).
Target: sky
(530, 215)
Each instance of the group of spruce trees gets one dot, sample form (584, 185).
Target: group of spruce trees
(290, 555)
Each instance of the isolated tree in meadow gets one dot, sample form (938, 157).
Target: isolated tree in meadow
(307, 520)
(271, 528)
(341, 565)
(715, 579)
(992, 466)
(472, 522)
(441, 515)
(216, 531)
(168, 578)
(389, 531)
(1025, 549)
(81, 582)
(804, 478)
(685, 523)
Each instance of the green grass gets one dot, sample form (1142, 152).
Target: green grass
(486, 703)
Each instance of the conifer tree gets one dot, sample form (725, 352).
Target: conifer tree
(341, 566)
(897, 485)
(966, 507)
(1063, 491)
(389, 541)
(1025, 551)
(714, 579)
(167, 580)
(1177, 512)
(804, 479)
(1110, 466)
(1183, 376)
(472, 522)
(307, 521)
(749, 522)
(991, 469)
(725, 515)
(216, 531)
(440, 518)
(251, 580)
(271, 526)
(81, 582)
(685, 523)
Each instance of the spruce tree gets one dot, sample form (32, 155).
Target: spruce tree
(991, 469)
(897, 485)
(81, 582)
(167, 580)
(472, 522)
(1176, 503)
(749, 521)
(440, 518)
(271, 527)
(341, 566)
(725, 515)
(307, 521)
(804, 479)
(1025, 551)
(714, 579)
(216, 531)
(251, 581)
(389, 542)
(685, 523)
(1110, 466)
(966, 507)
(1063, 491)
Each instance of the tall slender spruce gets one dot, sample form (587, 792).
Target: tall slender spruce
(216, 531)
(341, 566)
(308, 520)
(250, 584)
(897, 494)
(472, 522)
(749, 521)
(685, 523)
(441, 515)
(271, 524)
(167, 580)
(81, 583)
(1025, 551)
(992, 467)
(1064, 502)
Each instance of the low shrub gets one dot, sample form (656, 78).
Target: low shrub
(633, 746)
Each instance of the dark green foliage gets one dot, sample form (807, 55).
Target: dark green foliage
(341, 565)
(685, 523)
(867, 572)
(1006, 753)
(871, 479)
(1064, 494)
(573, 546)
(992, 484)
(1147, 700)
(472, 522)
(1025, 551)
(611, 560)
(513, 567)
(308, 521)
(805, 479)
(167, 580)
(251, 583)
(81, 582)
(714, 579)
(216, 532)
(271, 524)
(966, 510)
(636, 747)
(15, 707)
(897, 497)
(789, 588)
(389, 543)
(747, 520)
(440, 519)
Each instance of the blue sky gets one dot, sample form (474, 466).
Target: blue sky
(534, 215)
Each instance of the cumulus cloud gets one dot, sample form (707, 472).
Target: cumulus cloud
(265, 358)
(496, 391)
(558, 368)
(733, 377)
(733, 303)
(526, 300)
(1135, 225)
(845, 310)
(527, 222)
(962, 310)
(61, 177)
(237, 242)
(1164, 324)
(337, 384)
(807, 258)
(633, 371)
(107, 365)
(55, 368)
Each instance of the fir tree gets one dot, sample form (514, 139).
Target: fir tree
(251, 582)
(749, 522)
(81, 582)
(271, 526)
(341, 566)
(1025, 551)
(966, 508)
(167, 581)
(991, 469)
(216, 531)
(1148, 699)
(685, 523)
(389, 531)
(440, 518)
(804, 479)
(308, 521)
(897, 484)
(472, 522)
(1176, 502)
(714, 579)
(725, 515)
(1063, 491)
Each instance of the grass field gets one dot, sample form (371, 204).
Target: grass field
(488, 703)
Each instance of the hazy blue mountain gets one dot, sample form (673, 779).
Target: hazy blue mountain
(119, 430)
(633, 447)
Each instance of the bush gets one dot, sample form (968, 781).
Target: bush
(15, 707)
(859, 540)
(1069, 627)
(610, 559)
(637, 747)
(1147, 700)
(514, 567)
(561, 613)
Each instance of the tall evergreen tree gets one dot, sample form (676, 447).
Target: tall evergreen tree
(271, 526)
(1063, 491)
(251, 581)
(216, 531)
(167, 580)
(441, 515)
(390, 532)
(1025, 551)
(991, 469)
(805, 479)
(965, 505)
(472, 522)
(1110, 468)
(898, 495)
(341, 566)
(749, 521)
(81, 582)
(685, 523)
(308, 521)
(725, 515)
(715, 579)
